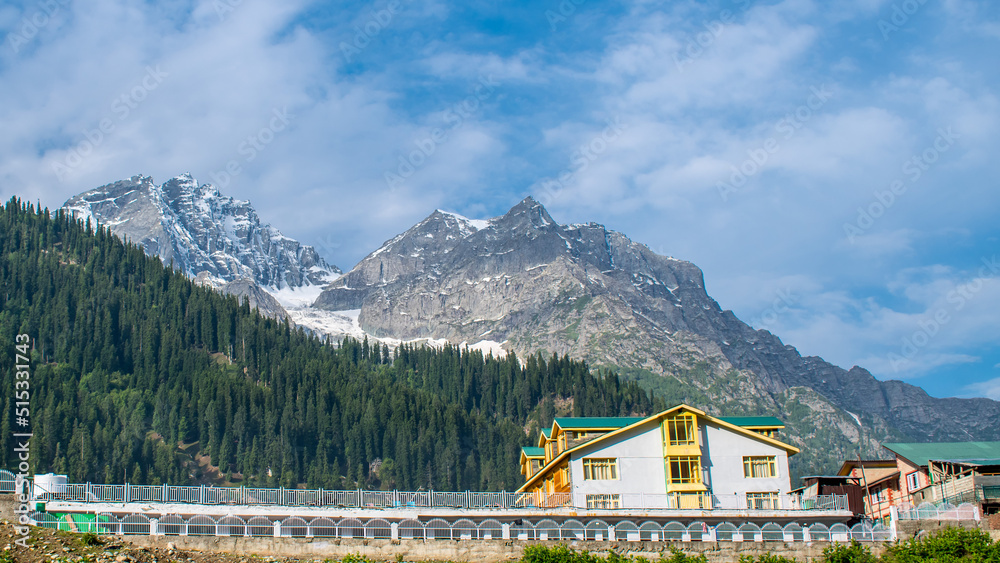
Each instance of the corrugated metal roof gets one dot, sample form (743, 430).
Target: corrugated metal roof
(752, 421)
(921, 454)
(584, 422)
(533, 452)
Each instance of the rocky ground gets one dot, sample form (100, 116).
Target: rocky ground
(51, 546)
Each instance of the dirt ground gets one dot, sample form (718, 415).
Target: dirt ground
(51, 546)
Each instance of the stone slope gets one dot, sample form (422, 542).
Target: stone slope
(526, 281)
(200, 230)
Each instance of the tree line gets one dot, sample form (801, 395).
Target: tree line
(139, 374)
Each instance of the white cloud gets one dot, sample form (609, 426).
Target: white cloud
(689, 113)
(990, 389)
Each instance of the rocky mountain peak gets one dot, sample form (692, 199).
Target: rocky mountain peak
(526, 214)
(532, 285)
(200, 230)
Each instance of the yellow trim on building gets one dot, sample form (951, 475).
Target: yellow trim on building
(564, 455)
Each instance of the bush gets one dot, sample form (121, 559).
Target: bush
(854, 553)
(949, 545)
(557, 554)
(90, 539)
(766, 558)
(562, 554)
(678, 556)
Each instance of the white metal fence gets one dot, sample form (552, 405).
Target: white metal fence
(209, 495)
(462, 529)
(944, 511)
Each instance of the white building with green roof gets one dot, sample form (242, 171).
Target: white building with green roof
(679, 458)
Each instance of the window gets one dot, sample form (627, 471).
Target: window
(762, 501)
(757, 467)
(679, 430)
(595, 469)
(878, 496)
(913, 481)
(562, 478)
(604, 501)
(562, 442)
(684, 470)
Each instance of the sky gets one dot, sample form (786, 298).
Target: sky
(831, 166)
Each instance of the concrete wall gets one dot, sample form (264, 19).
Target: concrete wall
(723, 457)
(473, 551)
(640, 463)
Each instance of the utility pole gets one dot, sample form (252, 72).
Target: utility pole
(868, 496)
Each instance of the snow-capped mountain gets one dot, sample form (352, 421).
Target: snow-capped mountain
(203, 232)
(532, 284)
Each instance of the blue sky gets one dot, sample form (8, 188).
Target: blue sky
(831, 169)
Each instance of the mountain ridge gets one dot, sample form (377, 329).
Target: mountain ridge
(201, 230)
(526, 283)
(596, 295)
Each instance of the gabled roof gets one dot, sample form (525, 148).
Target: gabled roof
(792, 450)
(753, 421)
(529, 451)
(595, 422)
(547, 432)
(921, 454)
(850, 464)
(877, 480)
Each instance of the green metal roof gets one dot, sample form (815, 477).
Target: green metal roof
(547, 432)
(921, 454)
(533, 452)
(585, 422)
(751, 421)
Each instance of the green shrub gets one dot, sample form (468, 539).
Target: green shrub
(678, 556)
(563, 554)
(950, 545)
(90, 539)
(557, 554)
(355, 558)
(854, 553)
(766, 558)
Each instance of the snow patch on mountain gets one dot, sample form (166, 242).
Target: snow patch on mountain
(474, 224)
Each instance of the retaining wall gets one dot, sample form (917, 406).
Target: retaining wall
(465, 551)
